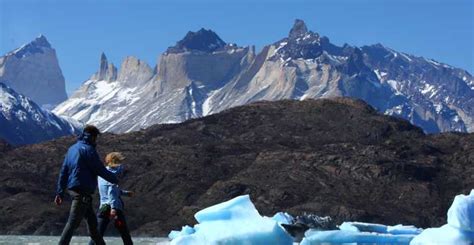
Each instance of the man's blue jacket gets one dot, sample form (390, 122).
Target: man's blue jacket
(81, 167)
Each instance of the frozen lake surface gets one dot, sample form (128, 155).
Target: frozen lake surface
(37, 240)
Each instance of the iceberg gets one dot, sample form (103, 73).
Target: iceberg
(445, 234)
(186, 230)
(459, 229)
(362, 233)
(233, 222)
(404, 229)
(283, 218)
(237, 221)
(237, 208)
(378, 228)
(313, 237)
(461, 212)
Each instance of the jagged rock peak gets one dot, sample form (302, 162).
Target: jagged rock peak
(41, 41)
(103, 58)
(134, 71)
(298, 29)
(202, 40)
(107, 72)
(103, 64)
(35, 46)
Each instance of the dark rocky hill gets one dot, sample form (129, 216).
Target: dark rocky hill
(4, 146)
(335, 157)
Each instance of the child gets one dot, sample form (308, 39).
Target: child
(111, 205)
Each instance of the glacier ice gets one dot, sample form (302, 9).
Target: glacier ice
(359, 232)
(461, 212)
(313, 237)
(445, 234)
(238, 231)
(236, 221)
(283, 218)
(186, 230)
(403, 229)
(237, 208)
(378, 228)
(460, 227)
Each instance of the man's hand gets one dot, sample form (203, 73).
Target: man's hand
(113, 213)
(58, 200)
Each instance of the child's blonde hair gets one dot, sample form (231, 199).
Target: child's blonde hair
(114, 158)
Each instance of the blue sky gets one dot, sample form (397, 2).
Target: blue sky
(81, 30)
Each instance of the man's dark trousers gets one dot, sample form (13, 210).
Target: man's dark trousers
(81, 208)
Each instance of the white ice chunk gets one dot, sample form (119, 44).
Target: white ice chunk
(378, 228)
(283, 218)
(403, 229)
(237, 208)
(460, 227)
(186, 230)
(353, 237)
(461, 212)
(445, 234)
(366, 227)
(237, 231)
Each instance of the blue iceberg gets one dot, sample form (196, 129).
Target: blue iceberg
(283, 218)
(362, 233)
(238, 208)
(186, 230)
(382, 229)
(236, 221)
(460, 227)
(347, 236)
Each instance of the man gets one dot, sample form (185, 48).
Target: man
(78, 175)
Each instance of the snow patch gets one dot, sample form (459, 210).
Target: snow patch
(206, 105)
(438, 108)
(395, 85)
(396, 110)
(406, 57)
(380, 74)
(427, 88)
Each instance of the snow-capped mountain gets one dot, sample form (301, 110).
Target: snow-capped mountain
(22, 121)
(202, 75)
(173, 92)
(33, 70)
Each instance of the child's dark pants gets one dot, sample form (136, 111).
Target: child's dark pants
(103, 218)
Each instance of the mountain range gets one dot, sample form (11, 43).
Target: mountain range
(202, 75)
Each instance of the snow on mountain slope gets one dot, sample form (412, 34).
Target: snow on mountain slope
(202, 75)
(141, 97)
(22, 121)
(107, 93)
